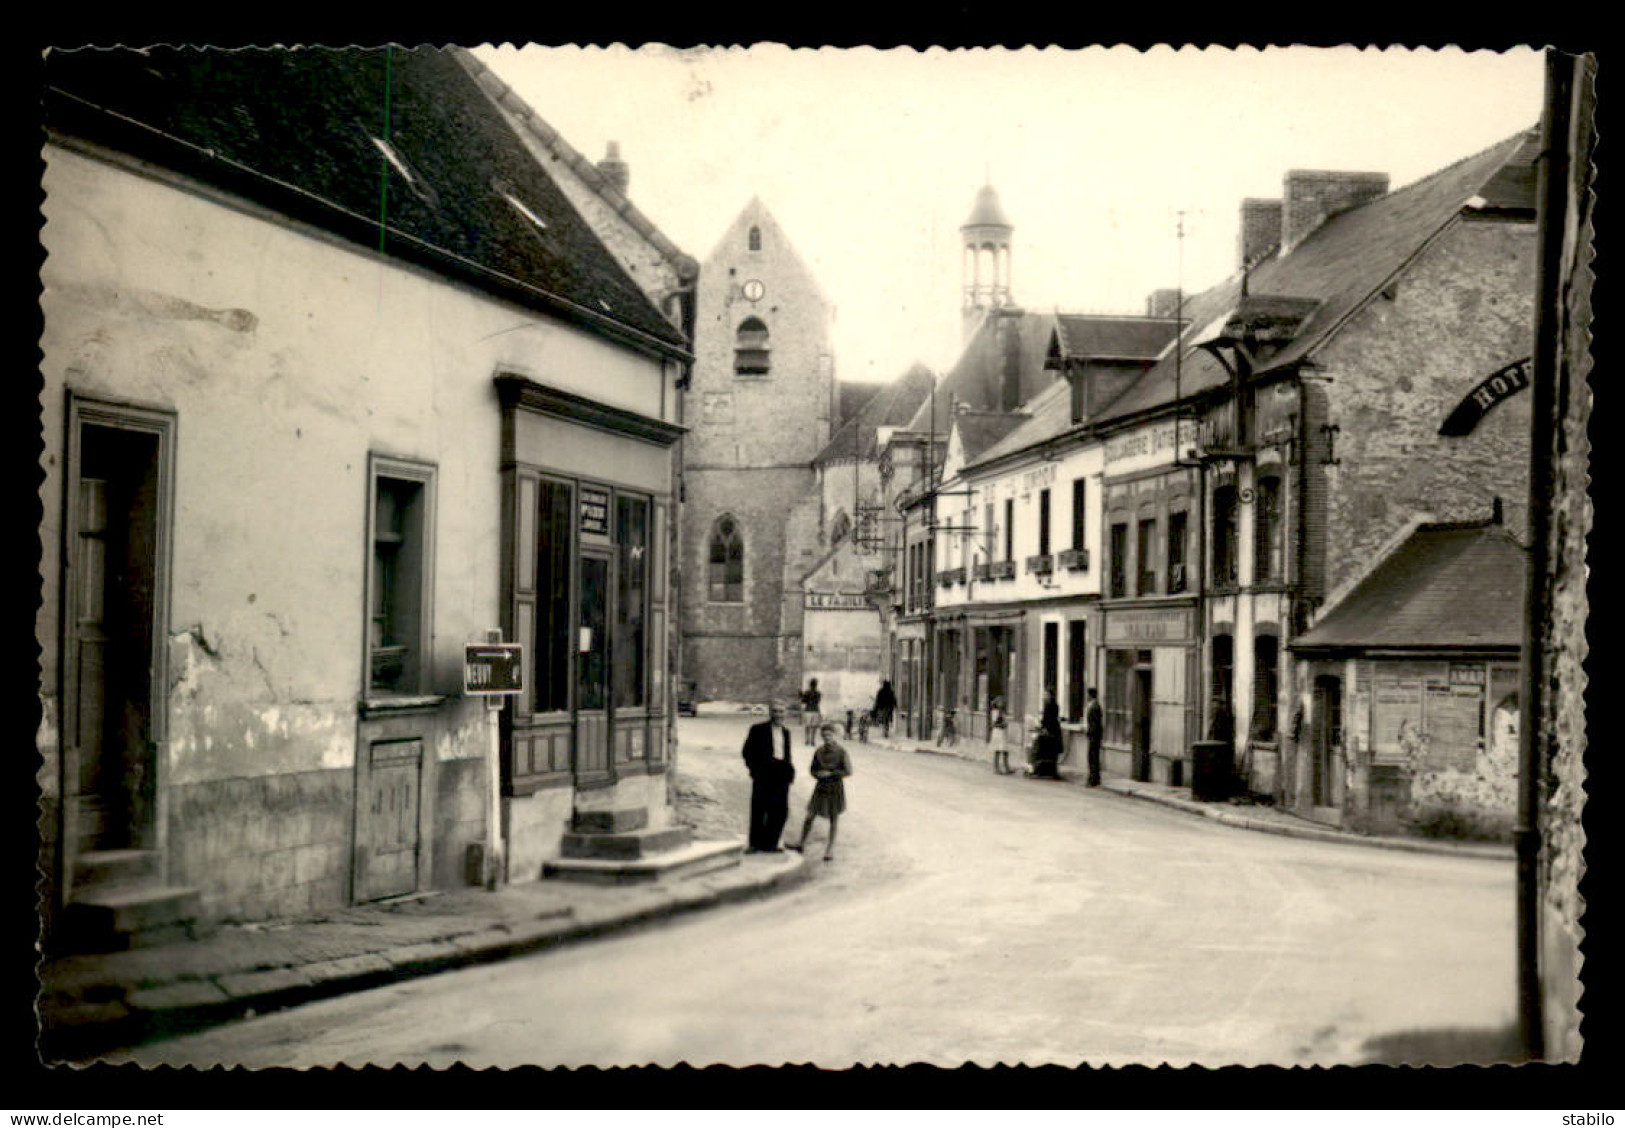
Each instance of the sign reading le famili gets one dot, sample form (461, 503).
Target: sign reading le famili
(836, 601)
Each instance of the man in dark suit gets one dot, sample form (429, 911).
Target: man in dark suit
(767, 755)
(1094, 726)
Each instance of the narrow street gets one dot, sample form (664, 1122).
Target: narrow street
(966, 918)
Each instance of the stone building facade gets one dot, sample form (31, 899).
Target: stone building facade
(761, 405)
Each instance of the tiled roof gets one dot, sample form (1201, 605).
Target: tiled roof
(588, 172)
(296, 130)
(1092, 337)
(976, 378)
(979, 430)
(890, 405)
(1048, 414)
(851, 395)
(1340, 265)
(1446, 586)
(986, 212)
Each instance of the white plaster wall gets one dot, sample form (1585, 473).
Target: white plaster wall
(287, 358)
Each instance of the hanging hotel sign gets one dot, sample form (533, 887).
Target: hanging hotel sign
(595, 512)
(493, 667)
(1149, 625)
(836, 601)
(1497, 386)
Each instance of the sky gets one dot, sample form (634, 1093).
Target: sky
(870, 159)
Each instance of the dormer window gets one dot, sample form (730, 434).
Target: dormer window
(755, 238)
(750, 348)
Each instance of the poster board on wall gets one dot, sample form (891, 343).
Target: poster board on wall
(1396, 709)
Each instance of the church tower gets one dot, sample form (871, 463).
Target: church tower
(985, 270)
(760, 408)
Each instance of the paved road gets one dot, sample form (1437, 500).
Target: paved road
(973, 918)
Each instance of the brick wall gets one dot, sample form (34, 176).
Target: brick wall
(1310, 196)
(1260, 228)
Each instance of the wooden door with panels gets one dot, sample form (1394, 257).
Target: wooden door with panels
(114, 594)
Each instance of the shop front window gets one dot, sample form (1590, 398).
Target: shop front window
(1118, 706)
(628, 644)
(550, 685)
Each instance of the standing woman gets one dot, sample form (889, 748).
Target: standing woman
(1047, 748)
(830, 765)
(999, 732)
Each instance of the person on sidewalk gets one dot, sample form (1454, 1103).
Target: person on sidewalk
(999, 737)
(1094, 726)
(830, 765)
(1046, 754)
(767, 755)
(885, 706)
(811, 719)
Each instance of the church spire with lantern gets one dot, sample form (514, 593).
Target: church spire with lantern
(985, 238)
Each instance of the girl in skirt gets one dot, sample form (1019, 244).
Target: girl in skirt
(830, 765)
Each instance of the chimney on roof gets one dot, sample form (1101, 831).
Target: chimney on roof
(1260, 229)
(1313, 196)
(614, 169)
(1162, 303)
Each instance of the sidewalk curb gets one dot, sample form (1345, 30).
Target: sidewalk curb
(1482, 851)
(141, 1013)
(1319, 834)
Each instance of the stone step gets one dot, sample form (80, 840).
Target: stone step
(134, 917)
(626, 846)
(691, 860)
(609, 822)
(113, 869)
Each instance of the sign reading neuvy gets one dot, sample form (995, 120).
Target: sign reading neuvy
(493, 667)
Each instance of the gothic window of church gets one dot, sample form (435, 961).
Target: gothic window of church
(750, 348)
(725, 574)
(755, 238)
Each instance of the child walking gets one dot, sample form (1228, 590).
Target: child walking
(830, 765)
